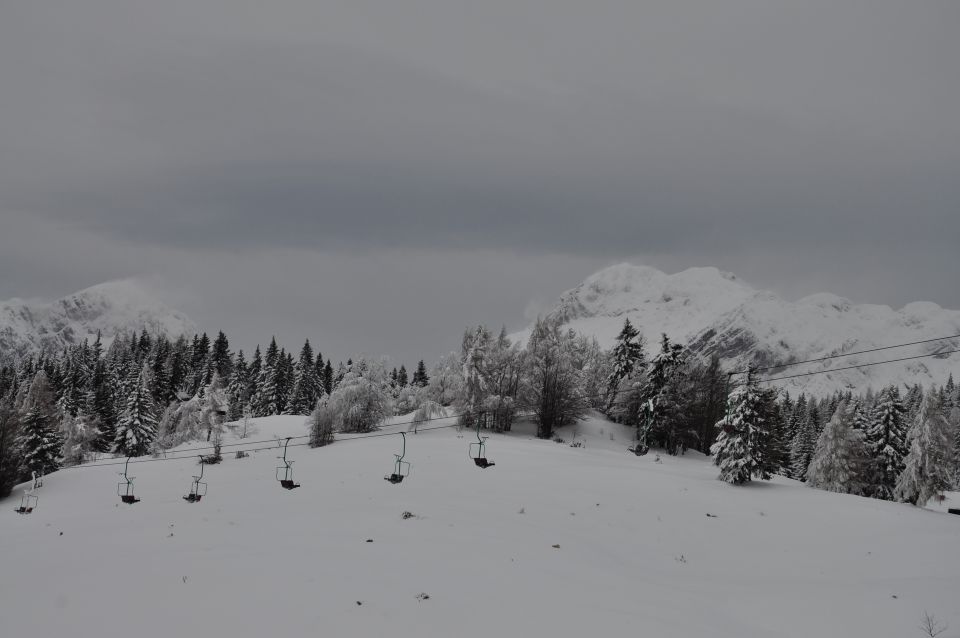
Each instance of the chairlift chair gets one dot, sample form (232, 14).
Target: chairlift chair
(125, 487)
(286, 480)
(401, 468)
(27, 504)
(198, 489)
(480, 459)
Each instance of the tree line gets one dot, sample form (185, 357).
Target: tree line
(144, 394)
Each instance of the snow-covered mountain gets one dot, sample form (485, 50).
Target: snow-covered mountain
(715, 312)
(112, 308)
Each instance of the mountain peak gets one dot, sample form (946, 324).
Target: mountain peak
(718, 314)
(111, 308)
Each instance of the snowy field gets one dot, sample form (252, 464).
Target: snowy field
(553, 541)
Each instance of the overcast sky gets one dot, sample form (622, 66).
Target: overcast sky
(377, 175)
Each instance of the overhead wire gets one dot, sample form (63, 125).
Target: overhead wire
(846, 354)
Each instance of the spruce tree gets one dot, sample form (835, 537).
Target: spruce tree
(9, 454)
(887, 440)
(237, 389)
(928, 466)
(804, 442)
(743, 436)
(306, 385)
(841, 461)
(40, 442)
(629, 362)
(220, 357)
(660, 411)
(402, 378)
(137, 427)
(420, 377)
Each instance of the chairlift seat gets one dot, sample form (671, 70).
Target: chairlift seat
(129, 499)
(483, 462)
(23, 510)
(394, 478)
(288, 484)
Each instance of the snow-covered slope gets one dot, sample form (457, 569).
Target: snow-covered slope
(717, 313)
(552, 541)
(112, 308)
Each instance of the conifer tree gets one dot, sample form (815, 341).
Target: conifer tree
(9, 455)
(742, 438)
(804, 442)
(39, 441)
(887, 440)
(659, 411)
(137, 427)
(629, 363)
(841, 460)
(237, 389)
(328, 377)
(929, 463)
(420, 376)
(220, 357)
(306, 385)
(402, 378)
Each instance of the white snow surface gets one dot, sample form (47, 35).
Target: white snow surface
(715, 312)
(112, 308)
(637, 553)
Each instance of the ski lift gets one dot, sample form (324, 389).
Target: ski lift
(198, 489)
(481, 447)
(287, 468)
(401, 468)
(27, 504)
(125, 487)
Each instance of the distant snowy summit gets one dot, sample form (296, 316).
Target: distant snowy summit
(112, 308)
(716, 313)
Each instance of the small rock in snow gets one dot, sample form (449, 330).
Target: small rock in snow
(557, 546)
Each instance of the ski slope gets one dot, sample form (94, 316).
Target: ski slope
(553, 540)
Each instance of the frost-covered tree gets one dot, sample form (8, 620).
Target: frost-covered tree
(322, 422)
(445, 380)
(928, 465)
(473, 364)
(137, 427)
(82, 433)
(887, 440)
(841, 461)
(552, 388)
(39, 441)
(362, 400)
(742, 440)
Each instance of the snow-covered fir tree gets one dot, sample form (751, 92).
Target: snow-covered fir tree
(742, 438)
(928, 466)
(307, 388)
(887, 440)
(40, 442)
(137, 427)
(804, 442)
(841, 462)
(660, 408)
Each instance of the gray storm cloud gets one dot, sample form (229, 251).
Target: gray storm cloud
(804, 146)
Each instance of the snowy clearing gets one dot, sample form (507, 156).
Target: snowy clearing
(554, 540)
